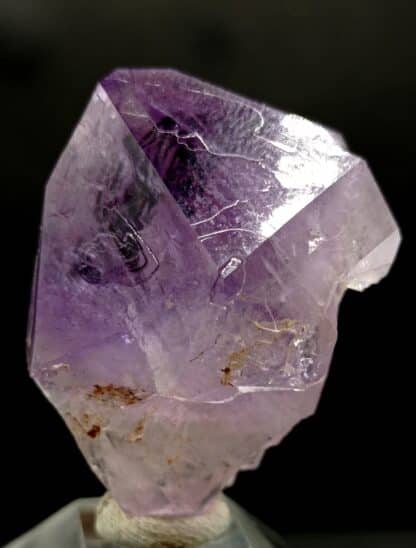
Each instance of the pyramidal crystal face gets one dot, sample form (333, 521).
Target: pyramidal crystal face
(195, 246)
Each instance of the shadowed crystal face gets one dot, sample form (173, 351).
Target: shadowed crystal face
(195, 246)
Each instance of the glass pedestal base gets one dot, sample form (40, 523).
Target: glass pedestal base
(73, 527)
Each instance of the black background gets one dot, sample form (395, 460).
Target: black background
(349, 65)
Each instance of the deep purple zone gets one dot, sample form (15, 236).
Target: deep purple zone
(175, 162)
(178, 167)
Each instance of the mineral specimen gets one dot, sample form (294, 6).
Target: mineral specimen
(194, 249)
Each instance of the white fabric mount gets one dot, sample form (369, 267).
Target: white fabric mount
(113, 525)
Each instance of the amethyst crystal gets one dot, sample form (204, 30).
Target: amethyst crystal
(195, 246)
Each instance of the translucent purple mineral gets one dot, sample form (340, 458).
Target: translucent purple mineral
(195, 246)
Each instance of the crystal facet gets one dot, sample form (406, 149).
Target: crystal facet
(195, 246)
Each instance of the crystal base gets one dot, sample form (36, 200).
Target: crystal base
(73, 527)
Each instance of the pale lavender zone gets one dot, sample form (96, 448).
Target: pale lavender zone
(195, 246)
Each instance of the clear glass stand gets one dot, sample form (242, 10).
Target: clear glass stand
(73, 527)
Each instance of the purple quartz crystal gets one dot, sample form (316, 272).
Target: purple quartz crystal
(195, 246)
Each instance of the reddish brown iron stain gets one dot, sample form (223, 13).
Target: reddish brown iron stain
(94, 431)
(109, 393)
(137, 433)
(236, 361)
(226, 376)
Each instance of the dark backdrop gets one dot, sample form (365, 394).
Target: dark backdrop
(351, 66)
